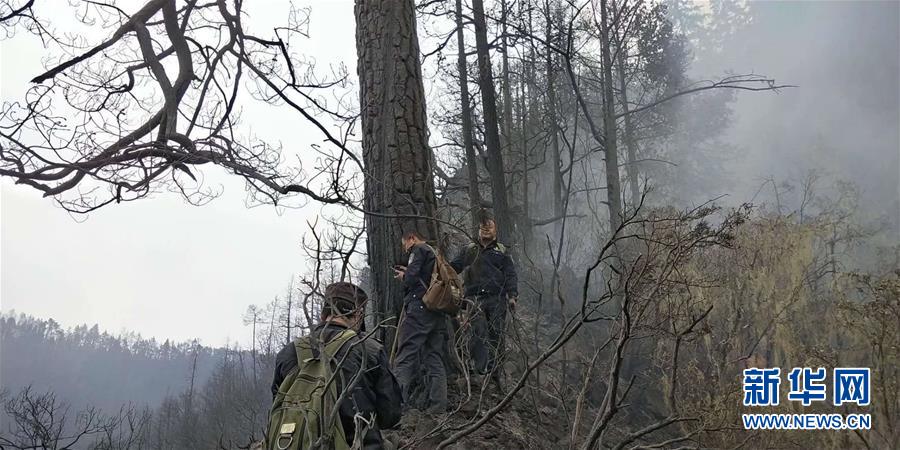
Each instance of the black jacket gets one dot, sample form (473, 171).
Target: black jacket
(376, 392)
(419, 269)
(491, 270)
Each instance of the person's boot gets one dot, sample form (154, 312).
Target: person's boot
(495, 378)
(497, 383)
(477, 381)
(437, 398)
(437, 408)
(390, 440)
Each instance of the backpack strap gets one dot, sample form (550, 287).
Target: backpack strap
(434, 271)
(333, 346)
(307, 349)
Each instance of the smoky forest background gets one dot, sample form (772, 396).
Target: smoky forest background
(662, 244)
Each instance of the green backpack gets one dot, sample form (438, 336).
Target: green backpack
(306, 399)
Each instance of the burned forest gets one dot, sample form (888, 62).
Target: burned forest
(449, 224)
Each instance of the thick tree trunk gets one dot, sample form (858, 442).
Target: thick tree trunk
(466, 113)
(399, 186)
(499, 197)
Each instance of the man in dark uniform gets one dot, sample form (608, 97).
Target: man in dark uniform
(492, 286)
(418, 364)
(363, 368)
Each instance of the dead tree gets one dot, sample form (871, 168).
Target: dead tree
(41, 421)
(158, 97)
(499, 196)
(466, 119)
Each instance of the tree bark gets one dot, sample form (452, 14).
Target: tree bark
(466, 117)
(399, 183)
(507, 88)
(610, 150)
(527, 127)
(631, 167)
(499, 196)
(555, 160)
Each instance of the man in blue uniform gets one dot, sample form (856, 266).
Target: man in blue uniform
(492, 286)
(422, 332)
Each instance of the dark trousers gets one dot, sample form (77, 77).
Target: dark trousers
(488, 323)
(419, 366)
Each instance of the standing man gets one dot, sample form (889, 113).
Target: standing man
(492, 287)
(367, 395)
(418, 364)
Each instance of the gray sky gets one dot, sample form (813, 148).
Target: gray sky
(164, 268)
(843, 116)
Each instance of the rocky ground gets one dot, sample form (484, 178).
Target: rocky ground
(530, 421)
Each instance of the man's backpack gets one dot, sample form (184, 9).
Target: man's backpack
(445, 292)
(304, 414)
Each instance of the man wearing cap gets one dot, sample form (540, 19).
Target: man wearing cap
(362, 362)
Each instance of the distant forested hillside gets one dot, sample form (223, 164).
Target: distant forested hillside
(104, 391)
(87, 366)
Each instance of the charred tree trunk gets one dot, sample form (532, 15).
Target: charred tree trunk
(507, 88)
(631, 166)
(528, 133)
(605, 137)
(525, 110)
(610, 150)
(555, 160)
(499, 196)
(466, 117)
(399, 186)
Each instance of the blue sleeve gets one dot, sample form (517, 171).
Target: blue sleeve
(461, 261)
(510, 279)
(413, 276)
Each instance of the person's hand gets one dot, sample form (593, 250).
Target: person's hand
(399, 272)
(512, 302)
